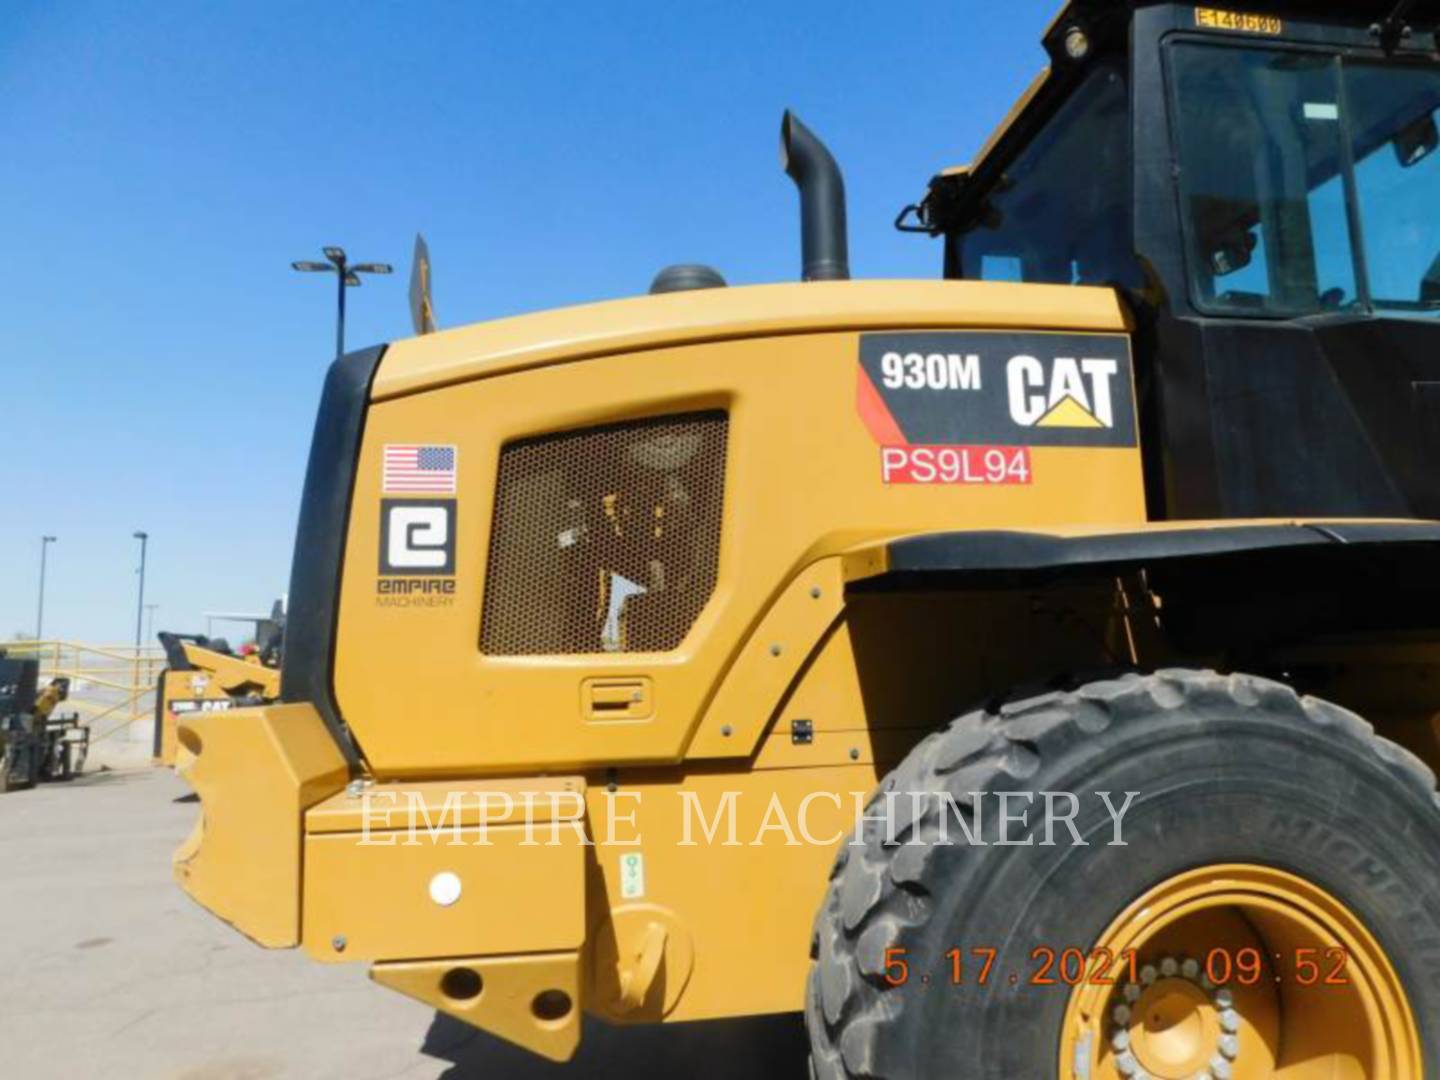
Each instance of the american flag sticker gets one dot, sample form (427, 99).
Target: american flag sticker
(414, 468)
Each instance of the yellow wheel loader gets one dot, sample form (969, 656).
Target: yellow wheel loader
(628, 641)
(204, 675)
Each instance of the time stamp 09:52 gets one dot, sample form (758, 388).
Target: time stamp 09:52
(1071, 967)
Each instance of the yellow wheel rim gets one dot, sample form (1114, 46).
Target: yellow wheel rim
(1238, 973)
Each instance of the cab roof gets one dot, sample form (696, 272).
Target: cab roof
(956, 193)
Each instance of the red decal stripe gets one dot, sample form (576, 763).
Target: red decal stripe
(876, 414)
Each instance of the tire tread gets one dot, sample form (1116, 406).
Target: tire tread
(877, 890)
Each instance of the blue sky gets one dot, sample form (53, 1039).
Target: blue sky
(164, 162)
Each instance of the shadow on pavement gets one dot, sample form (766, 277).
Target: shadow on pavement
(105, 776)
(758, 1048)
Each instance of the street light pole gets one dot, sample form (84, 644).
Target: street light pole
(143, 537)
(347, 277)
(45, 542)
(340, 319)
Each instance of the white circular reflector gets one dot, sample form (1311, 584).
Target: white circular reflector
(445, 888)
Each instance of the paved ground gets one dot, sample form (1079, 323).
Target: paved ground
(107, 969)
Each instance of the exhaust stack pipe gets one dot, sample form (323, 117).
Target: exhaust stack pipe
(823, 242)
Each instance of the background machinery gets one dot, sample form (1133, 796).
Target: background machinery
(205, 675)
(36, 744)
(698, 582)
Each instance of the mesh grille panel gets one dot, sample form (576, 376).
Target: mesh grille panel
(606, 539)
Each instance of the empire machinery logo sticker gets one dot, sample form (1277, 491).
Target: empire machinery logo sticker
(966, 408)
(417, 530)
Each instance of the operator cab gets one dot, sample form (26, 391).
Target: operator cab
(1264, 188)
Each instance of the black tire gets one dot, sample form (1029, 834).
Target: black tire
(73, 762)
(58, 766)
(1231, 769)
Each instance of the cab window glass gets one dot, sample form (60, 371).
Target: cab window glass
(1001, 268)
(1262, 180)
(1392, 121)
(1062, 212)
(1334, 255)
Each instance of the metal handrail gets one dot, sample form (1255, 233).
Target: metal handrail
(124, 674)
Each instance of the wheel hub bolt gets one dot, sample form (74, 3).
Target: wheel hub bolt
(1136, 1000)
